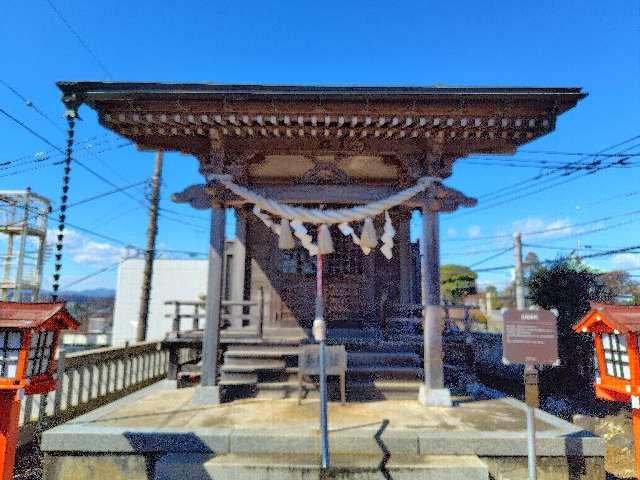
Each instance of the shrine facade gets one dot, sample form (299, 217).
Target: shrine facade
(324, 148)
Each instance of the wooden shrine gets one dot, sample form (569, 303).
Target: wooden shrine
(324, 147)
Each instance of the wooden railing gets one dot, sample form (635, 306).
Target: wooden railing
(464, 322)
(88, 380)
(236, 316)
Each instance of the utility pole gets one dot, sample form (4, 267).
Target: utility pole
(519, 274)
(150, 252)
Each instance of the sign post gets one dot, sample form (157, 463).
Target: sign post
(530, 337)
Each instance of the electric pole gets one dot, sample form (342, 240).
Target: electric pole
(150, 252)
(519, 274)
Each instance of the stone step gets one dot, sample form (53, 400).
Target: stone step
(261, 352)
(253, 366)
(383, 390)
(383, 372)
(238, 378)
(410, 320)
(383, 359)
(179, 466)
(390, 337)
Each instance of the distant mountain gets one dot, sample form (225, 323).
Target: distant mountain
(94, 292)
(89, 293)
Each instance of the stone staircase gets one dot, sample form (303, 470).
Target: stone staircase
(379, 364)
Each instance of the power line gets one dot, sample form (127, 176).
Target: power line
(581, 154)
(529, 193)
(94, 274)
(30, 104)
(105, 194)
(511, 189)
(606, 253)
(81, 164)
(502, 252)
(80, 40)
(30, 130)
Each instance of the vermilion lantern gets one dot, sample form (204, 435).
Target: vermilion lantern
(29, 334)
(616, 333)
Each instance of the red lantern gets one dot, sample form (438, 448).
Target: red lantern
(616, 331)
(29, 334)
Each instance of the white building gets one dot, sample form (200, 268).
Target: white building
(173, 279)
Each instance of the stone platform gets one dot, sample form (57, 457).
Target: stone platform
(158, 433)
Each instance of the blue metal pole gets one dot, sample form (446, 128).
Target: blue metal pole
(323, 407)
(319, 331)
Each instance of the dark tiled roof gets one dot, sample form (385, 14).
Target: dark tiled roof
(33, 315)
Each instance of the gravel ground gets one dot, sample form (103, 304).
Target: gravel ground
(28, 464)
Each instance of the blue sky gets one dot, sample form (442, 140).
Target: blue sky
(591, 44)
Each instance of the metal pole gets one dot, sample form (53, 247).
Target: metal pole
(519, 274)
(531, 399)
(319, 332)
(150, 252)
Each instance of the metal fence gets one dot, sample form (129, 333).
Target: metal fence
(88, 380)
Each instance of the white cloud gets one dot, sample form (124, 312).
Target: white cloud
(626, 261)
(85, 251)
(474, 231)
(557, 227)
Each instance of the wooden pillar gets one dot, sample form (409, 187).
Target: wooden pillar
(404, 256)
(210, 340)
(238, 266)
(369, 265)
(432, 392)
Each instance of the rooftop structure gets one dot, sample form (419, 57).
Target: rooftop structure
(23, 229)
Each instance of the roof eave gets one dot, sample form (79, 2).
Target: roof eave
(91, 92)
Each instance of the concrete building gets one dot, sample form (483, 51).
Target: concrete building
(173, 279)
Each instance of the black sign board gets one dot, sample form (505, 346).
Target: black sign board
(530, 337)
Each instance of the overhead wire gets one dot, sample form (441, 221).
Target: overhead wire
(30, 104)
(80, 40)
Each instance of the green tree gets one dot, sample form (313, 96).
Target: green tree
(567, 285)
(456, 281)
(624, 288)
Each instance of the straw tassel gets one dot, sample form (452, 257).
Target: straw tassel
(387, 237)
(285, 239)
(369, 238)
(347, 230)
(325, 244)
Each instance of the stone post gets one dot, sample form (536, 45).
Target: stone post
(208, 392)
(432, 393)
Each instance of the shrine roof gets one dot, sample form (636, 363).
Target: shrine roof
(624, 319)
(34, 315)
(271, 128)
(91, 91)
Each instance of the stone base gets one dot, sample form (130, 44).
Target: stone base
(167, 384)
(209, 395)
(158, 434)
(434, 397)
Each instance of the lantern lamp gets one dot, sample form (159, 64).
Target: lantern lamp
(616, 336)
(29, 334)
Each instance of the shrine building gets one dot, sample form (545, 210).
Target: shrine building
(295, 162)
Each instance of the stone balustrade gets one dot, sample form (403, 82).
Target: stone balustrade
(90, 379)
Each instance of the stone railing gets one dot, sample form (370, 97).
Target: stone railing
(90, 379)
